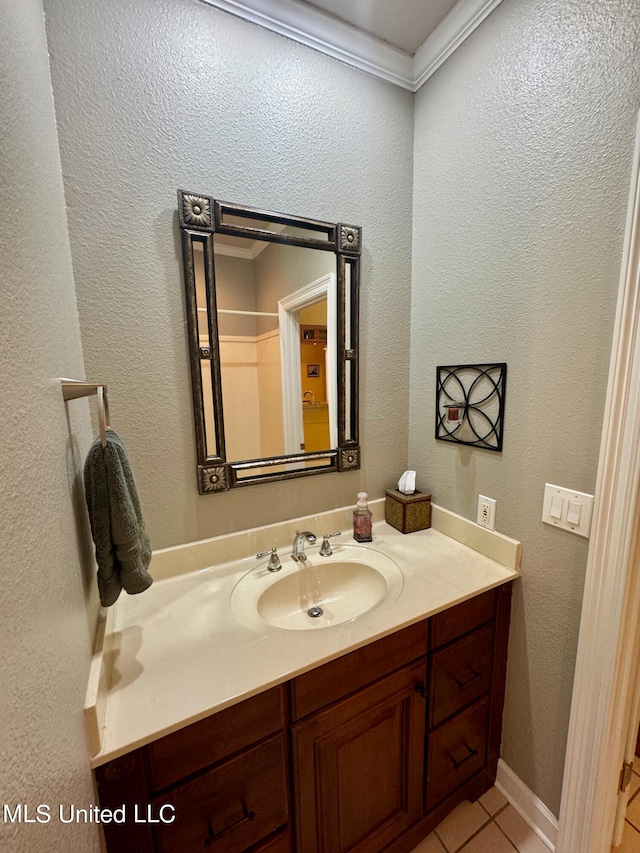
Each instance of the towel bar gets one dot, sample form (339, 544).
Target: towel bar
(73, 389)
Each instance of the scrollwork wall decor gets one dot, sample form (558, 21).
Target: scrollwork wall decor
(470, 404)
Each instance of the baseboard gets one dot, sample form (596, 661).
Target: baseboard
(541, 820)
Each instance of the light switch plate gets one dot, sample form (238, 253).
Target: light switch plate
(555, 496)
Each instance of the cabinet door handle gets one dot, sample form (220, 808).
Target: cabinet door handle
(470, 754)
(462, 684)
(214, 836)
(421, 689)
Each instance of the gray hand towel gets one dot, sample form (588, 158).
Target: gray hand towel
(123, 549)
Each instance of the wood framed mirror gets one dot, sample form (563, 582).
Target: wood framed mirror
(272, 320)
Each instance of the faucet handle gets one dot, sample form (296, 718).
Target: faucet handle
(325, 549)
(274, 560)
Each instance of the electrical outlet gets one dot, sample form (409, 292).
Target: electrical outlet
(486, 512)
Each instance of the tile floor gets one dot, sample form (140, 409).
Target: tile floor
(489, 825)
(631, 834)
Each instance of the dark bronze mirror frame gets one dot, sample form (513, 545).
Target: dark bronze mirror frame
(200, 217)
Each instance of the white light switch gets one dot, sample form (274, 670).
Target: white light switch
(574, 512)
(557, 505)
(567, 509)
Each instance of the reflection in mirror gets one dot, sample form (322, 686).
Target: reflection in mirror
(204, 339)
(207, 400)
(244, 475)
(350, 301)
(274, 380)
(232, 218)
(272, 305)
(201, 294)
(313, 366)
(347, 346)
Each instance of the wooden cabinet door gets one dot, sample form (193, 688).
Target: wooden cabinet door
(359, 767)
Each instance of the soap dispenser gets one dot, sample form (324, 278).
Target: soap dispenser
(362, 520)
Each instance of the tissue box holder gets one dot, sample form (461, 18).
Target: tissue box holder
(407, 513)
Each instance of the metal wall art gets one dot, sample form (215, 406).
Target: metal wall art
(470, 404)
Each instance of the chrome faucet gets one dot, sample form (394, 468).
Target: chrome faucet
(297, 552)
(313, 397)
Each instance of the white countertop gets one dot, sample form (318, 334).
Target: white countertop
(176, 653)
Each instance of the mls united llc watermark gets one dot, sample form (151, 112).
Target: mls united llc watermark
(69, 813)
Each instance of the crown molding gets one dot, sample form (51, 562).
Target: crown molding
(465, 17)
(316, 29)
(329, 35)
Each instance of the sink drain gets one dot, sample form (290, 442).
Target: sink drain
(314, 612)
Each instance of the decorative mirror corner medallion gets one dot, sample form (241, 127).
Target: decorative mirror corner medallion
(213, 479)
(349, 237)
(350, 459)
(195, 211)
(272, 317)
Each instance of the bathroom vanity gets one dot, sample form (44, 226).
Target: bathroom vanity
(365, 749)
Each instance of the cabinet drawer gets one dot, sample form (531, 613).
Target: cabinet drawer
(458, 620)
(230, 808)
(456, 750)
(460, 673)
(280, 843)
(337, 679)
(195, 747)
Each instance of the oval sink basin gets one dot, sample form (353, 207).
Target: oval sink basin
(325, 591)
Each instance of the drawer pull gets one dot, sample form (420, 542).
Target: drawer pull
(214, 836)
(470, 754)
(421, 689)
(473, 677)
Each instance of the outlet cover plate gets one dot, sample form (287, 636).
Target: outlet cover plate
(486, 512)
(560, 506)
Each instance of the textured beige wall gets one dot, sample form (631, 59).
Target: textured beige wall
(161, 94)
(522, 154)
(523, 144)
(46, 567)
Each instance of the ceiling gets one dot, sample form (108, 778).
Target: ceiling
(403, 23)
(402, 41)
